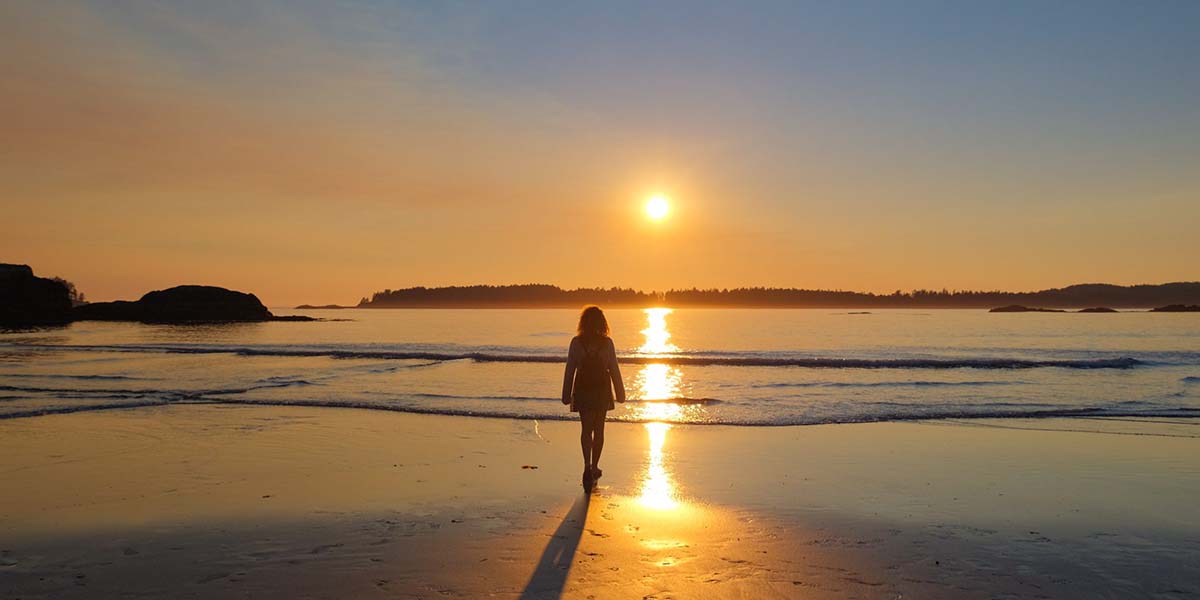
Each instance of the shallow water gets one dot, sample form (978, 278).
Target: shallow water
(731, 366)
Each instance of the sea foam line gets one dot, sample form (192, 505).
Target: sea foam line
(951, 415)
(669, 359)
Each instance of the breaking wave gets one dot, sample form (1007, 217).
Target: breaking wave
(696, 359)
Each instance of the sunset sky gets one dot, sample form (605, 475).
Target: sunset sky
(319, 151)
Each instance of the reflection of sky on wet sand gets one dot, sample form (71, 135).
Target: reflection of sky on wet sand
(658, 492)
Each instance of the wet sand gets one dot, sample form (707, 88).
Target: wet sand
(206, 501)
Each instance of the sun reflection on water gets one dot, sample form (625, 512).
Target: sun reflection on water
(657, 384)
(657, 381)
(658, 339)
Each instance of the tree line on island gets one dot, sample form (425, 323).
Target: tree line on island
(28, 300)
(550, 296)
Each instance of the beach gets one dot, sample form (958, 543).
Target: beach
(335, 300)
(208, 501)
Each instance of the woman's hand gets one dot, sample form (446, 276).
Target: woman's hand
(566, 400)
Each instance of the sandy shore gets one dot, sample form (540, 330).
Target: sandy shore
(235, 501)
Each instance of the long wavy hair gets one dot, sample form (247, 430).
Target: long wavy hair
(592, 322)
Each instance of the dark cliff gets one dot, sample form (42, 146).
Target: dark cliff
(26, 299)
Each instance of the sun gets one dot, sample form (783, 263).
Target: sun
(657, 207)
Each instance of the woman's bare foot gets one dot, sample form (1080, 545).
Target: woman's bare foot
(596, 472)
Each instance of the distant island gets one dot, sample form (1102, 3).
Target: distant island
(27, 300)
(1178, 308)
(1095, 296)
(1014, 308)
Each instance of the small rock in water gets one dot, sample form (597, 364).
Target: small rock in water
(528, 466)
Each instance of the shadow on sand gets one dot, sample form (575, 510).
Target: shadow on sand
(550, 576)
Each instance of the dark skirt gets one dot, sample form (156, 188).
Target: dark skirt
(591, 400)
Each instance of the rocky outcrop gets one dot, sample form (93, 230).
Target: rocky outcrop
(181, 304)
(1177, 308)
(27, 300)
(1017, 308)
(1098, 309)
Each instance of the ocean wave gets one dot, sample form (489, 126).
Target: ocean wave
(881, 384)
(263, 384)
(58, 390)
(433, 396)
(60, 410)
(678, 400)
(697, 359)
(780, 421)
(75, 377)
(285, 381)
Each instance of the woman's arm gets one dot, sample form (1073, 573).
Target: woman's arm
(614, 371)
(569, 374)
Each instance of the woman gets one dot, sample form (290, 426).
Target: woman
(588, 383)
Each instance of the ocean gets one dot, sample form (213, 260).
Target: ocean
(745, 367)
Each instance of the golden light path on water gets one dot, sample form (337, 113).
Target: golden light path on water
(657, 385)
(658, 338)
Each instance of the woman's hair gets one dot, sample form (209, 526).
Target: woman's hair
(592, 321)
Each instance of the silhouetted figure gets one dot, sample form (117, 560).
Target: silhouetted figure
(592, 374)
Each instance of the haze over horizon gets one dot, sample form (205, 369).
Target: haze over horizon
(315, 153)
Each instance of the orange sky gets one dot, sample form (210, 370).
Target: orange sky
(304, 162)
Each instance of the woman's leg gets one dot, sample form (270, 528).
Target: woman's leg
(598, 436)
(586, 420)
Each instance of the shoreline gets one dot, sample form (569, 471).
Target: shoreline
(859, 310)
(1082, 414)
(201, 500)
